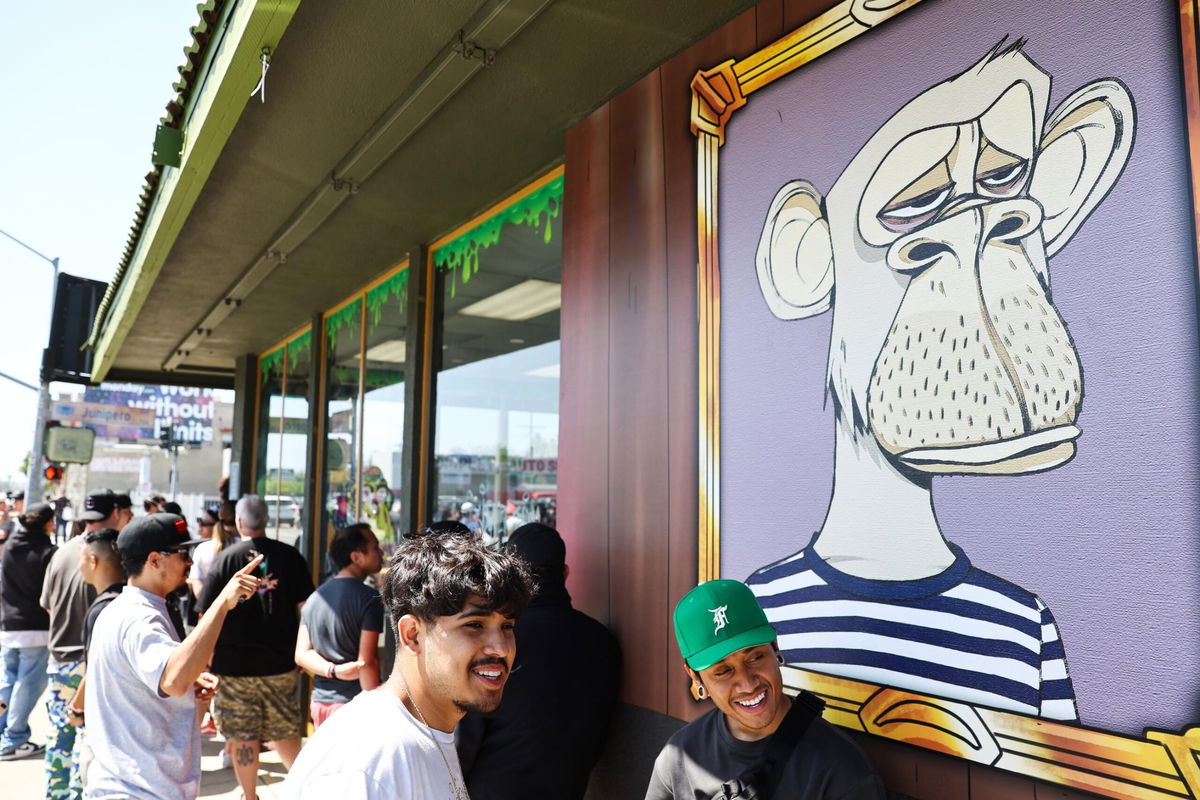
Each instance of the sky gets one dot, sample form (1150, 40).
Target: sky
(82, 88)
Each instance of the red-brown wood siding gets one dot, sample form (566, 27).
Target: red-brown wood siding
(583, 375)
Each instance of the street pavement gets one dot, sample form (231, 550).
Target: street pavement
(26, 779)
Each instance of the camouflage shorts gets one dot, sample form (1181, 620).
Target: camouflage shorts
(251, 709)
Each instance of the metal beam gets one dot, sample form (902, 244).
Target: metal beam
(488, 31)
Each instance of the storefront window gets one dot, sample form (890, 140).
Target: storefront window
(383, 407)
(496, 440)
(285, 506)
(270, 406)
(282, 441)
(343, 367)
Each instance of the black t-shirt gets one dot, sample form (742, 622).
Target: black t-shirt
(548, 733)
(259, 635)
(702, 756)
(336, 615)
(93, 613)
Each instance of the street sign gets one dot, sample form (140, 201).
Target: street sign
(69, 445)
(108, 421)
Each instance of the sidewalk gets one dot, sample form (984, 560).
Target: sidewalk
(26, 779)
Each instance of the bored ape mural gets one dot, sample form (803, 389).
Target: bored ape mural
(932, 250)
(948, 371)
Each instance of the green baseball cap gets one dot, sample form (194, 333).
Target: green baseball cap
(718, 618)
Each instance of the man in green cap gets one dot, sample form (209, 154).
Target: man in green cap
(758, 743)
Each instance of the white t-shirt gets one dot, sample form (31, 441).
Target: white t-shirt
(146, 744)
(202, 558)
(373, 749)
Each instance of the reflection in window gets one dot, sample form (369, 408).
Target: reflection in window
(270, 405)
(383, 407)
(282, 436)
(285, 506)
(496, 439)
(343, 329)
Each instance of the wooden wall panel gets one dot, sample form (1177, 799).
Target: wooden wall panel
(583, 379)
(637, 393)
(736, 39)
(993, 784)
(798, 12)
(768, 17)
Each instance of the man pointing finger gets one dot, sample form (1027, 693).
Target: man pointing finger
(142, 680)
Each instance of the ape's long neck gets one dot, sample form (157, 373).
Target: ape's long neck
(880, 522)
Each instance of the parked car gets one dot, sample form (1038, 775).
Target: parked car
(281, 509)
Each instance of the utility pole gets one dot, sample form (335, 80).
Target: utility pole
(169, 442)
(33, 486)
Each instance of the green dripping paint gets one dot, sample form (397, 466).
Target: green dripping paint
(377, 298)
(343, 317)
(460, 255)
(271, 363)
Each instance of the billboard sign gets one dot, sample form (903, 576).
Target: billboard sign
(186, 409)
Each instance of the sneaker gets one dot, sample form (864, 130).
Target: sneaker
(24, 750)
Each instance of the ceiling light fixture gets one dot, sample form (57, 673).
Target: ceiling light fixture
(392, 351)
(526, 300)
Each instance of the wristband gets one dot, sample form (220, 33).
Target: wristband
(330, 672)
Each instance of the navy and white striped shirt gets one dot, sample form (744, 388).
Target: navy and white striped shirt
(962, 634)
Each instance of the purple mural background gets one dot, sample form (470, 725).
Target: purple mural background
(1110, 540)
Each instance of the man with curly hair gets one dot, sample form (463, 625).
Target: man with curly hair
(454, 605)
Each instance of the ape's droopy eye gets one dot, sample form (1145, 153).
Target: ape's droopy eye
(907, 214)
(919, 202)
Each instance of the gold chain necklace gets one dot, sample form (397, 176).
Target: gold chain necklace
(459, 791)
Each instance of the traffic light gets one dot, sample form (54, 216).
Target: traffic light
(53, 472)
(164, 438)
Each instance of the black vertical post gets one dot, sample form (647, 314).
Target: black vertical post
(423, 357)
(315, 538)
(245, 387)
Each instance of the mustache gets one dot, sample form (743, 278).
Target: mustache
(488, 662)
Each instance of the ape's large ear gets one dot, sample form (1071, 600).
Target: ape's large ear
(795, 254)
(1085, 147)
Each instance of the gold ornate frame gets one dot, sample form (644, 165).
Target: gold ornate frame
(1157, 766)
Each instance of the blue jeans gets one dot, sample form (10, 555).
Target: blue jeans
(22, 682)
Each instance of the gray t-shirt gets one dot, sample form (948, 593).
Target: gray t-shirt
(336, 614)
(67, 598)
(702, 756)
(146, 744)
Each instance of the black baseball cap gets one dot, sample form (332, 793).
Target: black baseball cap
(98, 506)
(539, 545)
(154, 533)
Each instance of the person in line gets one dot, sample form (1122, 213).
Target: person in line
(548, 734)
(338, 640)
(454, 604)
(4, 528)
(66, 596)
(62, 516)
(100, 568)
(758, 742)
(144, 683)
(10, 522)
(24, 628)
(255, 654)
(217, 537)
(153, 504)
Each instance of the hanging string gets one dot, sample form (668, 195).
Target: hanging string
(262, 82)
